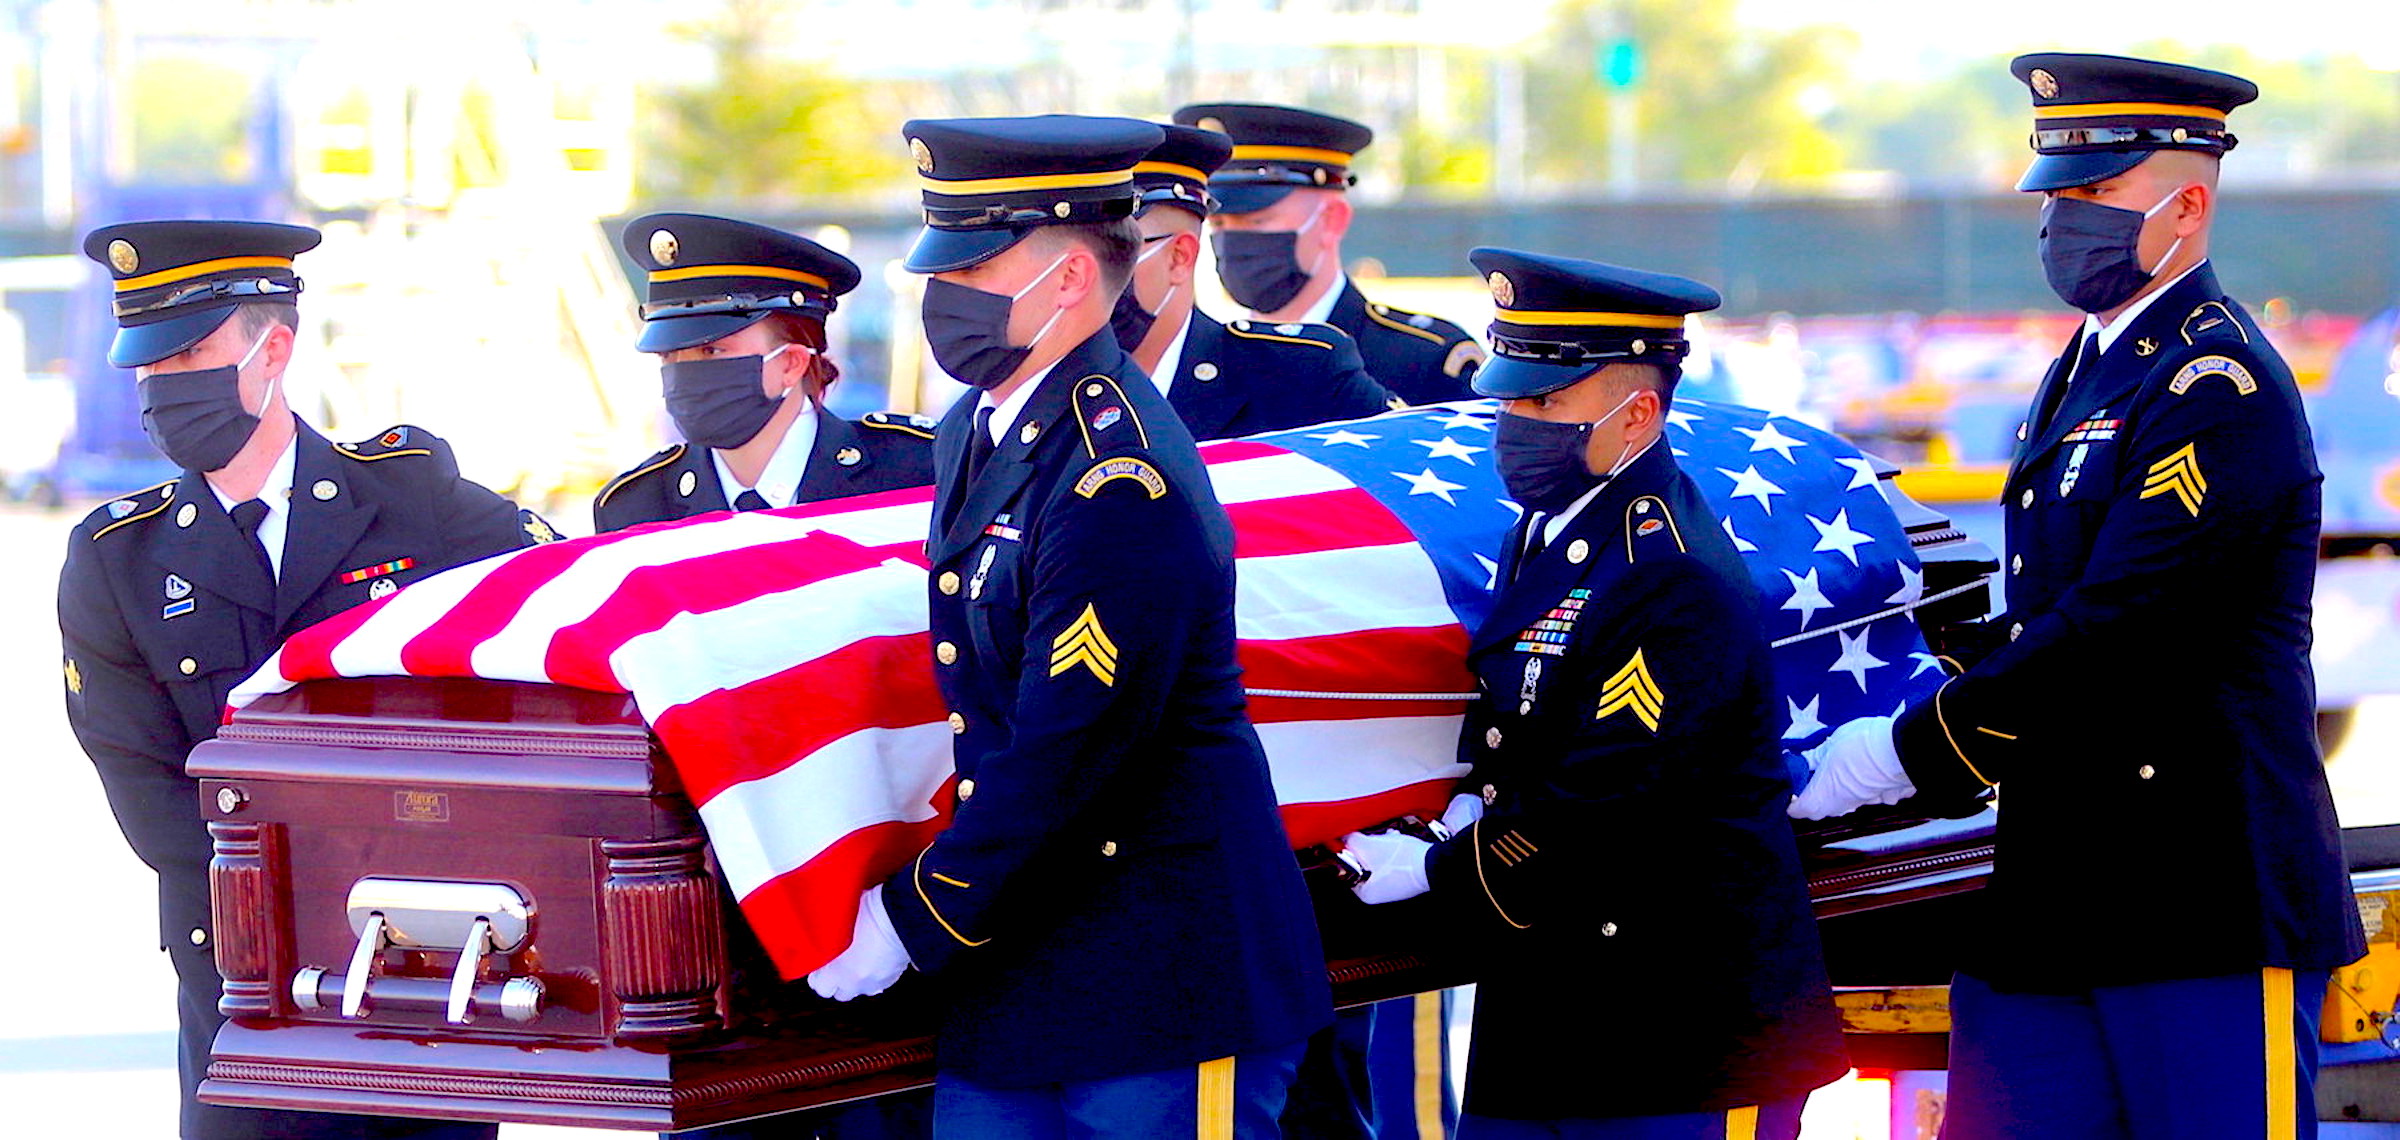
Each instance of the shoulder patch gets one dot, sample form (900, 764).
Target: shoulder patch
(2208, 366)
(1463, 355)
(536, 527)
(2212, 317)
(401, 440)
(1100, 405)
(1650, 529)
(1283, 334)
(647, 466)
(135, 507)
(902, 422)
(1118, 467)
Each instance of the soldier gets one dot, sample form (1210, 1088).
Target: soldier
(736, 314)
(174, 593)
(1224, 380)
(2150, 707)
(1282, 211)
(1113, 917)
(1624, 819)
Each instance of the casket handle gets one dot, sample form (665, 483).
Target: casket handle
(362, 963)
(470, 963)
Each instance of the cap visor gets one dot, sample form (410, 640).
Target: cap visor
(2062, 171)
(666, 334)
(1249, 197)
(1508, 378)
(940, 251)
(158, 340)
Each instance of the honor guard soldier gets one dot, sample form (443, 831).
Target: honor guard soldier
(2148, 703)
(1224, 380)
(1113, 918)
(736, 313)
(1623, 825)
(174, 593)
(1283, 208)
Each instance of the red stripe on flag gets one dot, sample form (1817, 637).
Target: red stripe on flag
(308, 656)
(649, 597)
(805, 916)
(1346, 519)
(446, 648)
(1232, 450)
(1422, 659)
(1311, 824)
(763, 727)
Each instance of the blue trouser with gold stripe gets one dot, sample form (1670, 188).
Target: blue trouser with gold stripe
(1225, 1099)
(2231, 1057)
(1777, 1121)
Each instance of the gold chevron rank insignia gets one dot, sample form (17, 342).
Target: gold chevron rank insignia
(1085, 643)
(1632, 689)
(2178, 475)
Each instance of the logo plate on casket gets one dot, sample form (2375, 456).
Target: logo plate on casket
(421, 807)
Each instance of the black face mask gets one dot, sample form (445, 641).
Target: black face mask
(719, 402)
(1130, 321)
(196, 419)
(2091, 252)
(1542, 463)
(1261, 270)
(967, 329)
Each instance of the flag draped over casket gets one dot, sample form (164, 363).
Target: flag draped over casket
(781, 656)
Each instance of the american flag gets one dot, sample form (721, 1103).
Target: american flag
(781, 656)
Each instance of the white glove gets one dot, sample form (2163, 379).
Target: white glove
(874, 960)
(1856, 766)
(1395, 863)
(1462, 813)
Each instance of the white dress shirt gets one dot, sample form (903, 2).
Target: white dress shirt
(779, 483)
(276, 492)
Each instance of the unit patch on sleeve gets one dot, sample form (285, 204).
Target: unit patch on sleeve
(1108, 471)
(2208, 366)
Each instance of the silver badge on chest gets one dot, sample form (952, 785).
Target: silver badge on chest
(2066, 482)
(1527, 689)
(983, 570)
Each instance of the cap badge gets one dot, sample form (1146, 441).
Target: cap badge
(664, 247)
(1212, 123)
(923, 154)
(121, 256)
(2044, 83)
(1504, 291)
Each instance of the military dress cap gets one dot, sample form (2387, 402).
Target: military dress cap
(2098, 116)
(712, 277)
(1177, 169)
(1562, 318)
(990, 182)
(176, 281)
(1277, 150)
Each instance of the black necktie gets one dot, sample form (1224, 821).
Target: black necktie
(247, 518)
(980, 448)
(750, 501)
(2086, 354)
(1537, 538)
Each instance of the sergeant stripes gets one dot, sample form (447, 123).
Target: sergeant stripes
(1085, 643)
(1632, 688)
(2178, 475)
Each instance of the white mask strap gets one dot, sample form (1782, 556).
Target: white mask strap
(1039, 278)
(269, 398)
(1625, 456)
(2152, 212)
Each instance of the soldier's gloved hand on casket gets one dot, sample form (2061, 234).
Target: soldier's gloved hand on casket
(1856, 766)
(1465, 808)
(1394, 862)
(874, 960)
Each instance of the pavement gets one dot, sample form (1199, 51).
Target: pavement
(87, 1038)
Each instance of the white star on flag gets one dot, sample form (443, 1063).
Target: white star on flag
(1448, 448)
(1769, 439)
(1491, 572)
(1339, 436)
(1427, 483)
(1748, 482)
(1925, 661)
(1512, 506)
(1862, 472)
(1677, 417)
(1837, 535)
(1740, 544)
(1807, 597)
(1912, 587)
(1457, 420)
(1804, 719)
(1855, 660)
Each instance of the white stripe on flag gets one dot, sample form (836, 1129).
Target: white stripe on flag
(1283, 596)
(373, 649)
(1273, 477)
(765, 827)
(696, 654)
(878, 526)
(1324, 761)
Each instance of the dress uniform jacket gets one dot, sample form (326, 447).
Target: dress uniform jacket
(147, 673)
(1421, 359)
(1116, 894)
(886, 451)
(2152, 711)
(1249, 377)
(1633, 894)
